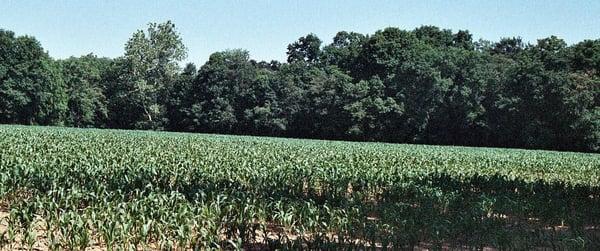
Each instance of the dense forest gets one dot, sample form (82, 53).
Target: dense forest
(427, 86)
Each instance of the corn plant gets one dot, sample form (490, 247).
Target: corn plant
(134, 190)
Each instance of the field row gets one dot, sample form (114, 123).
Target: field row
(74, 188)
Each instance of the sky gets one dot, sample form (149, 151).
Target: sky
(265, 28)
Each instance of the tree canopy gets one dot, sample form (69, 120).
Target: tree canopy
(428, 86)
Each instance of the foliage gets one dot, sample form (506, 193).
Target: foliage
(151, 58)
(87, 102)
(428, 86)
(31, 88)
(136, 189)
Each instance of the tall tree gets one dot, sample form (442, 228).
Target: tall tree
(87, 102)
(179, 98)
(345, 53)
(373, 115)
(463, 39)
(434, 36)
(31, 88)
(585, 57)
(307, 49)
(151, 58)
(551, 51)
(508, 46)
(428, 85)
(223, 91)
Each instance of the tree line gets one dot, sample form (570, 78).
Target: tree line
(426, 86)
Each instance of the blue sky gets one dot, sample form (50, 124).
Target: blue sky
(68, 28)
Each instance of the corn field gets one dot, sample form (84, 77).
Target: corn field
(77, 189)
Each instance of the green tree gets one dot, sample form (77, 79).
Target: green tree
(552, 51)
(266, 117)
(322, 113)
(508, 46)
(435, 36)
(31, 88)
(223, 91)
(459, 117)
(87, 102)
(428, 85)
(345, 53)
(585, 56)
(152, 65)
(307, 49)
(372, 114)
(179, 99)
(463, 39)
